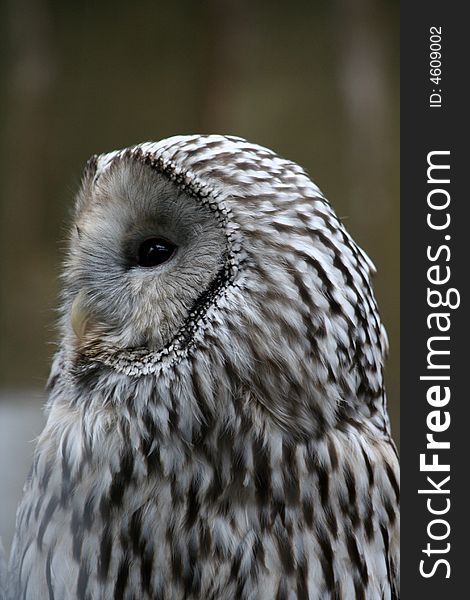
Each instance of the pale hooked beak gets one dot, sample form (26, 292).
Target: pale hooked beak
(79, 315)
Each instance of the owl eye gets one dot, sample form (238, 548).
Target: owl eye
(154, 252)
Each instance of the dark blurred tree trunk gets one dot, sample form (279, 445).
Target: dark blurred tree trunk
(371, 134)
(25, 289)
(218, 91)
(363, 81)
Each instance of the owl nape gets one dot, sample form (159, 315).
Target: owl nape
(217, 423)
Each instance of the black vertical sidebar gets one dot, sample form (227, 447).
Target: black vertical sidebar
(435, 270)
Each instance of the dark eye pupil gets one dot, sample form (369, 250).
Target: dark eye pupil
(154, 251)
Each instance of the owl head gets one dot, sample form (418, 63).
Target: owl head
(209, 253)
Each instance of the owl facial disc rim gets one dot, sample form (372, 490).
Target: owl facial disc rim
(142, 361)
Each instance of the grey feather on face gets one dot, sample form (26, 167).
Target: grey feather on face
(217, 423)
(127, 305)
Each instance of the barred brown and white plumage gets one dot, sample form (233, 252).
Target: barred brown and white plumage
(217, 425)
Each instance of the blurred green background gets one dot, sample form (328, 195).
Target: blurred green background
(316, 81)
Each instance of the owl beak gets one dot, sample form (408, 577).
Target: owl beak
(79, 316)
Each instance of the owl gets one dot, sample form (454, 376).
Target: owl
(217, 424)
